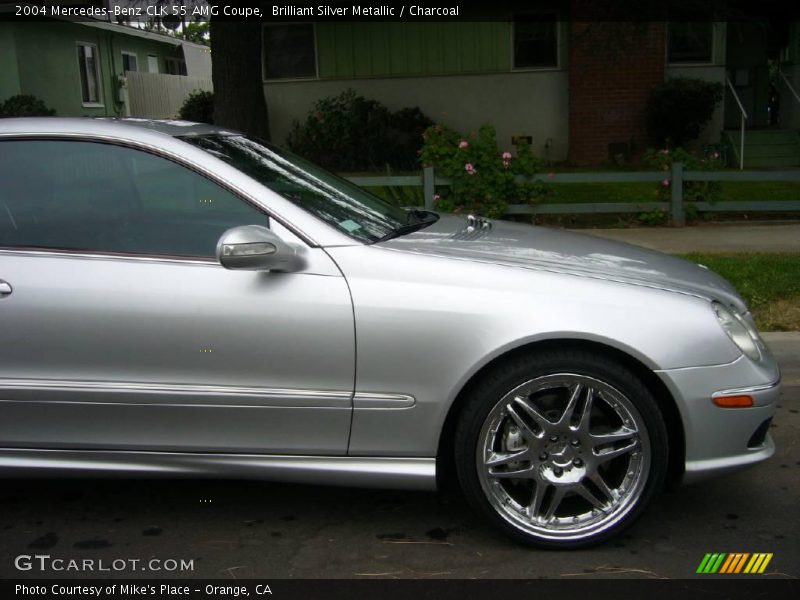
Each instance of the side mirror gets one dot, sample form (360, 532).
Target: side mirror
(256, 248)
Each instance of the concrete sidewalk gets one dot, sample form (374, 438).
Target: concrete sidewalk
(709, 238)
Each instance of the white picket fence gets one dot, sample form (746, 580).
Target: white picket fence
(160, 96)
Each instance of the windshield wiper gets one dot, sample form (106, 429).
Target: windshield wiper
(417, 219)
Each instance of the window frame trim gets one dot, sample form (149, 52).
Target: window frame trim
(155, 151)
(100, 103)
(135, 55)
(559, 59)
(315, 77)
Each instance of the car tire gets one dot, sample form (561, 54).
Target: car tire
(561, 449)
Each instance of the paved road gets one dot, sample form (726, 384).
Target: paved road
(252, 529)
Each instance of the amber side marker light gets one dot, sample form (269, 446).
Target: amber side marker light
(733, 401)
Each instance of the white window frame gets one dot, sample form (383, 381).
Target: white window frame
(150, 64)
(558, 24)
(99, 103)
(135, 57)
(315, 77)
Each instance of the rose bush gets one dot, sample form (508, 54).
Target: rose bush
(482, 177)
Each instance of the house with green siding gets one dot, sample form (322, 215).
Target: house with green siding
(78, 68)
(544, 78)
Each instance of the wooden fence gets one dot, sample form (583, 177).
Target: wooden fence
(158, 95)
(677, 177)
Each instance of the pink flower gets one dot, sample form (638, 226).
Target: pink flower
(463, 144)
(665, 151)
(715, 156)
(665, 182)
(436, 197)
(469, 168)
(506, 156)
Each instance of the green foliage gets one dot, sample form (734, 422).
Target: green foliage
(482, 178)
(653, 218)
(198, 107)
(197, 32)
(693, 191)
(25, 105)
(679, 108)
(351, 133)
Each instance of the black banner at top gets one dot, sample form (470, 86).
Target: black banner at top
(132, 11)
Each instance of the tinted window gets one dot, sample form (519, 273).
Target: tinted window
(690, 42)
(535, 41)
(289, 51)
(345, 206)
(105, 198)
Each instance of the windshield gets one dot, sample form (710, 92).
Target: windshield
(338, 202)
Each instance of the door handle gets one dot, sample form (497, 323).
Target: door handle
(5, 288)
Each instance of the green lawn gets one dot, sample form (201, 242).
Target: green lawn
(769, 283)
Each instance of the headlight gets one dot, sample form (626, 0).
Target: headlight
(742, 333)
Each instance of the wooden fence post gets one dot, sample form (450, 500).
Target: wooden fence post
(428, 187)
(676, 204)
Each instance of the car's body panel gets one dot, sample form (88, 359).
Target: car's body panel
(161, 365)
(234, 361)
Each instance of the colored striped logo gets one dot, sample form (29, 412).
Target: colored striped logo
(735, 562)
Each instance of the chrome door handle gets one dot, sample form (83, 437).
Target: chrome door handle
(5, 288)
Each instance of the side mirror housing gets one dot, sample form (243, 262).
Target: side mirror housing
(256, 248)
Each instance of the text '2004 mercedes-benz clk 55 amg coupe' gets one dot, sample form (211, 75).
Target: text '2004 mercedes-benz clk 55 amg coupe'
(177, 299)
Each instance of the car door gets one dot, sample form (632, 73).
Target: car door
(122, 332)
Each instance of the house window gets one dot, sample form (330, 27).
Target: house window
(129, 62)
(152, 63)
(175, 66)
(690, 42)
(289, 51)
(535, 41)
(89, 68)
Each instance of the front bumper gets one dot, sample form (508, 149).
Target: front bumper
(719, 440)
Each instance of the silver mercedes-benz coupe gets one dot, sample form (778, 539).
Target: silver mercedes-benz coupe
(178, 299)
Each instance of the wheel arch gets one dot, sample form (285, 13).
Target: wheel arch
(445, 461)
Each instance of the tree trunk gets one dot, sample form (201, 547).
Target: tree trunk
(239, 101)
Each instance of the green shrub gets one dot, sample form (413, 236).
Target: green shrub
(693, 191)
(25, 105)
(482, 177)
(678, 109)
(351, 133)
(198, 107)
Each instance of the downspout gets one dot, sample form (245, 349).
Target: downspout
(115, 78)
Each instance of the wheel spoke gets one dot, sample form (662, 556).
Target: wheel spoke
(619, 435)
(616, 452)
(535, 505)
(586, 411)
(572, 404)
(498, 459)
(586, 494)
(525, 473)
(555, 502)
(538, 417)
(600, 483)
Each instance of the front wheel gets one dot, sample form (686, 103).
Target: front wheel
(562, 450)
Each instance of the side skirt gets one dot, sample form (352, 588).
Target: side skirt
(390, 472)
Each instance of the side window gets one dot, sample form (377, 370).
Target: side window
(104, 198)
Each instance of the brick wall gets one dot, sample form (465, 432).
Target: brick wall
(612, 68)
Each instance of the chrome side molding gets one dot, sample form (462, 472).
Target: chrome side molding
(354, 471)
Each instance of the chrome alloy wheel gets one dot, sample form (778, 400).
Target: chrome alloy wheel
(563, 456)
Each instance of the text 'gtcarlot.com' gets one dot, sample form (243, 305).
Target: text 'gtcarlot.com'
(45, 562)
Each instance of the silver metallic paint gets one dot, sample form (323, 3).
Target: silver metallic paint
(426, 312)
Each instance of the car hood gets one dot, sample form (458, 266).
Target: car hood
(540, 248)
